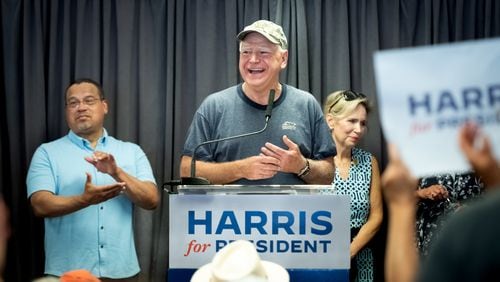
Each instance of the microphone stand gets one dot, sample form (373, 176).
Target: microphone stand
(193, 180)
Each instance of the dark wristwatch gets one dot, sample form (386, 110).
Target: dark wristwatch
(305, 171)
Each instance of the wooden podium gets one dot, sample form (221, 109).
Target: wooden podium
(295, 226)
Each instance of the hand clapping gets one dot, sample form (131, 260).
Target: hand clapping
(104, 162)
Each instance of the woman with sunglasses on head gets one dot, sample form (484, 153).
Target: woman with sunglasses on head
(357, 175)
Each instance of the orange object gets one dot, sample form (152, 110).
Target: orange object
(80, 275)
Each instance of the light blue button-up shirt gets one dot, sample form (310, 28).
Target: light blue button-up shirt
(98, 238)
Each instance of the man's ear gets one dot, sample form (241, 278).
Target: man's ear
(105, 105)
(284, 59)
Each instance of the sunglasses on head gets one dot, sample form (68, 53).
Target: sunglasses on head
(348, 95)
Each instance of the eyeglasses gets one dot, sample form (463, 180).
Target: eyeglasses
(348, 95)
(89, 101)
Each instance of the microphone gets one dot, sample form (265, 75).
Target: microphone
(270, 104)
(193, 180)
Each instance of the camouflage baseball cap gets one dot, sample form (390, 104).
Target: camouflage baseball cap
(269, 30)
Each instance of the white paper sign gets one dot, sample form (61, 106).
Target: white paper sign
(425, 94)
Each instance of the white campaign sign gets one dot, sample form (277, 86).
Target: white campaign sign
(295, 231)
(425, 94)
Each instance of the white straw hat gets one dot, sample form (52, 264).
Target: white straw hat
(240, 262)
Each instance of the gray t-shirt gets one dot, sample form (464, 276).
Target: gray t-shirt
(229, 112)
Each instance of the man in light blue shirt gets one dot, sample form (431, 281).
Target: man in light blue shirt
(85, 185)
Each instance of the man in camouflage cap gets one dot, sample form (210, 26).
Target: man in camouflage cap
(269, 30)
(296, 148)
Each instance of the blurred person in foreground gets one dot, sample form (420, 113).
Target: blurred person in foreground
(78, 275)
(86, 185)
(467, 248)
(356, 174)
(296, 148)
(239, 261)
(4, 235)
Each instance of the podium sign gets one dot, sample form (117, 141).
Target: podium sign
(298, 231)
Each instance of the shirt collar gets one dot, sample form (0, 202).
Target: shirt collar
(84, 143)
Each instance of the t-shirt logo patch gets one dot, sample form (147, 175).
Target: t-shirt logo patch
(288, 125)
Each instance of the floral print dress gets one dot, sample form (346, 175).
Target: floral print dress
(432, 213)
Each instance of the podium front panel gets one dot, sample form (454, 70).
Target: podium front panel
(300, 231)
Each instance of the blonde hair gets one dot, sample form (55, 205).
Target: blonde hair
(343, 102)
